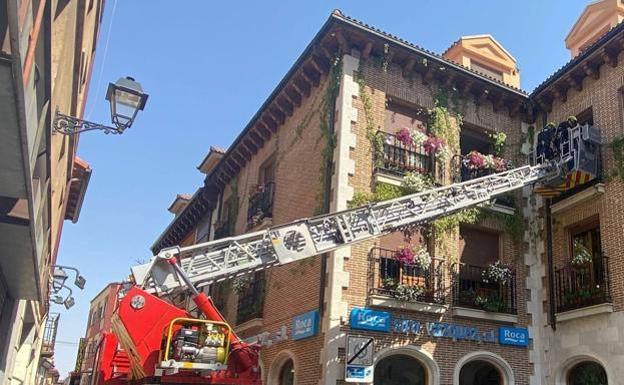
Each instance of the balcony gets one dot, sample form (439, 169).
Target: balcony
(397, 158)
(471, 291)
(582, 286)
(49, 335)
(260, 205)
(251, 300)
(396, 284)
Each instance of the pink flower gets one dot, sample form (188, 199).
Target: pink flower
(405, 256)
(433, 144)
(475, 160)
(404, 136)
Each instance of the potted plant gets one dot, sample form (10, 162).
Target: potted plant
(404, 255)
(490, 301)
(414, 182)
(582, 256)
(407, 292)
(408, 256)
(497, 272)
(422, 259)
(405, 136)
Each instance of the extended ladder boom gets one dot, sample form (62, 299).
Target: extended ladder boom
(225, 258)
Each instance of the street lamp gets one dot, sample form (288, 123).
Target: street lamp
(60, 275)
(126, 98)
(68, 301)
(58, 279)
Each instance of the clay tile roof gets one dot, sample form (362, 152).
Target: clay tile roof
(421, 50)
(579, 58)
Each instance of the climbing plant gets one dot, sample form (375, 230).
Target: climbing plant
(443, 125)
(325, 123)
(382, 192)
(233, 206)
(498, 142)
(451, 222)
(617, 147)
(374, 137)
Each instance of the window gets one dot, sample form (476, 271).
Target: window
(267, 171)
(400, 116)
(586, 117)
(478, 247)
(287, 373)
(586, 237)
(203, 228)
(400, 369)
(587, 373)
(474, 138)
(479, 372)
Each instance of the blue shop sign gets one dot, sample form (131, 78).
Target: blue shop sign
(305, 325)
(513, 336)
(367, 319)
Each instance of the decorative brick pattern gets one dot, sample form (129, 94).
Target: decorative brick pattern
(583, 337)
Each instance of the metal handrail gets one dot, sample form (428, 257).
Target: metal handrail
(471, 290)
(385, 268)
(581, 286)
(398, 158)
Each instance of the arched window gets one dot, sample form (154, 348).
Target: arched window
(287, 373)
(587, 373)
(400, 369)
(480, 372)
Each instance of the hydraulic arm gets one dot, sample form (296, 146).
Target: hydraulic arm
(218, 260)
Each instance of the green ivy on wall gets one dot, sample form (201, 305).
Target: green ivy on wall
(617, 147)
(382, 192)
(325, 121)
(233, 207)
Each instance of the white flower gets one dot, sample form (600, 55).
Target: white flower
(488, 160)
(443, 153)
(497, 272)
(422, 259)
(582, 255)
(415, 182)
(418, 137)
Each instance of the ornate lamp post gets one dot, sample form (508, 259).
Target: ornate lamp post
(59, 276)
(126, 98)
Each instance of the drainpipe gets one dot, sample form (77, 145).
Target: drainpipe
(551, 281)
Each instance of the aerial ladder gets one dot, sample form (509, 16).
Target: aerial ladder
(156, 342)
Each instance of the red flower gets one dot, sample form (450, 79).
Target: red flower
(475, 160)
(405, 256)
(404, 136)
(433, 144)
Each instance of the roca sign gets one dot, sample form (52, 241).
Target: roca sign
(381, 321)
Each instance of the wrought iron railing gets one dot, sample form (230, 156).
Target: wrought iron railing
(471, 290)
(406, 282)
(49, 334)
(251, 300)
(581, 286)
(398, 158)
(261, 204)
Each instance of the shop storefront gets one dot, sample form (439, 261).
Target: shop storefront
(410, 351)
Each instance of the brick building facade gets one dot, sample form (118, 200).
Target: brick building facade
(101, 311)
(47, 50)
(327, 138)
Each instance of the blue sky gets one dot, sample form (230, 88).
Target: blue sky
(208, 66)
